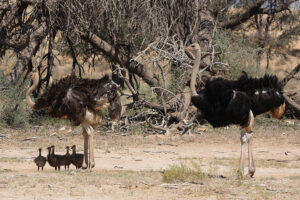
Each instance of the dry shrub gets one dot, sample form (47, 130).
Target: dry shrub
(183, 173)
(13, 108)
(237, 53)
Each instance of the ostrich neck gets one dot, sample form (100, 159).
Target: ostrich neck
(40, 152)
(195, 72)
(30, 90)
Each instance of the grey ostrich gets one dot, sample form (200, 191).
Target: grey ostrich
(80, 101)
(225, 102)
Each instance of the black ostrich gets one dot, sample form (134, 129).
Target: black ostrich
(81, 101)
(224, 102)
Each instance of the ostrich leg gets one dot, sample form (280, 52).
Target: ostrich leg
(246, 138)
(90, 132)
(88, 158)
(242, 156)
(246, 135)
(251, 165)
(85, 150)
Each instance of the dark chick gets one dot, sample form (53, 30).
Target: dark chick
(40, 161)
(76, 158)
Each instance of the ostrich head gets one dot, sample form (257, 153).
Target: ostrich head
(49, 149)
(114, 101)
(73, 149)
(108, 93)
(34, 76)
(193, 48)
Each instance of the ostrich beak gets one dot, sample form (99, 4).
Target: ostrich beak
(188, 49)
(30, 76)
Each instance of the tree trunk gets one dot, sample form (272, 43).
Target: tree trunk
(26, 54)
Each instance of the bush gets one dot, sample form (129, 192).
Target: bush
(237, 53)
(13, 108)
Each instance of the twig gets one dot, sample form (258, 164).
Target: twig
(168, 92)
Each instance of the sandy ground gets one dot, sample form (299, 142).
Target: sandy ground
(131, 166)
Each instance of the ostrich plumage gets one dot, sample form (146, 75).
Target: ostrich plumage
(224, 102)
(81, 101)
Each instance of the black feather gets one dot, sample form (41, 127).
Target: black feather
(225, 102)
(222, 106)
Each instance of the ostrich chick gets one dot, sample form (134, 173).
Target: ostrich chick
(40, 161)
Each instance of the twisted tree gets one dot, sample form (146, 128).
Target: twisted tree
(144, 40)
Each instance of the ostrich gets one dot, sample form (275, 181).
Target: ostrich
(76, 158)
(224, 102)
(51, 159)
(40, 161)
(80, 101)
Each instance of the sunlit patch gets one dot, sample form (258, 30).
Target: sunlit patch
(278, 112)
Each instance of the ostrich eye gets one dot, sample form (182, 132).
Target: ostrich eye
(193, 46)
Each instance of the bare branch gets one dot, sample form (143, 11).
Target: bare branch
(290, 75)
(255, 9)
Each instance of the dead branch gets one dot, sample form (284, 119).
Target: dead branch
(254, 9)
(75, 61)
(290, 75)
(295, 106)
(158, 129)
(133, 66)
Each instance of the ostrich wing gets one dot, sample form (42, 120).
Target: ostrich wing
(265, 100)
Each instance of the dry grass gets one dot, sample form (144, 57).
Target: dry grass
(11, 159)
(183, 173)
(183, 167)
